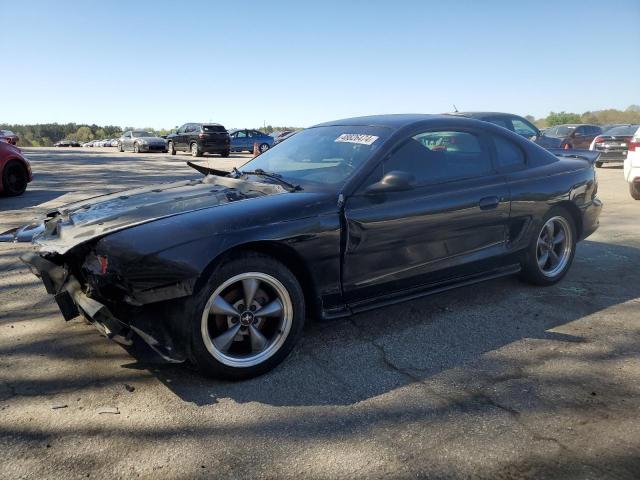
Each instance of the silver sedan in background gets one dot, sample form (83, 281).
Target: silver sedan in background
(141, 141)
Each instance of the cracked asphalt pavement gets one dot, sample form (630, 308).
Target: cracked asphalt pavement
(497, 380)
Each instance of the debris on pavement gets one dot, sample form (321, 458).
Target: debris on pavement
(112, 410)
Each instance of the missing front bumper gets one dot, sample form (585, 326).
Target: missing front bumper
(73, 302)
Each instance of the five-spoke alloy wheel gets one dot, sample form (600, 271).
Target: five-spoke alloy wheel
(247, 319)
(250, 316)
(552, 251)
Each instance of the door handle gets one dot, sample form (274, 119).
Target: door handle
(487, 203)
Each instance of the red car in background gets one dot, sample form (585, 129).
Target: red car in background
(15, 171)
(9, 137)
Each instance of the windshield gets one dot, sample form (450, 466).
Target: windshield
(321, 155)
(141, 133)
(627, 130)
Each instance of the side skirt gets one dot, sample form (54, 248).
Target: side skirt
(422, 291)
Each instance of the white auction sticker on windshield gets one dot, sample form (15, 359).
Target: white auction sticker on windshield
(360, 138)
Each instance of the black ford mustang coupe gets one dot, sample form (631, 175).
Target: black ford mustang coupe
(343, 217)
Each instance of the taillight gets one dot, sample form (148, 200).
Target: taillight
(201, 135)
(600, 140)
(633, 144)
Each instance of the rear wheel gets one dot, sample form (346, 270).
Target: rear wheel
(14, 179)
(551, 252)
(195, 150)
(247, 318)
(225, 154)
(171, 148)
(634, 190)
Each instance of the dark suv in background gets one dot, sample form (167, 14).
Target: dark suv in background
(200, 138)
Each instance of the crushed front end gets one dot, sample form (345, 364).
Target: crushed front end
(82, 286)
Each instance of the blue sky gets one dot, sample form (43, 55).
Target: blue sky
(160, 64)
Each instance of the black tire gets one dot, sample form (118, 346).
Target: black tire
(200, 355)
(598, 164)
(634, 190)
(225, 154)
(171, 149)
(195, 152)
(136, 149)
(531, 270)
(14, 179)
(263, 147)
(120, 149)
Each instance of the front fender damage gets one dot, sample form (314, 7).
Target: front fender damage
(144, 313)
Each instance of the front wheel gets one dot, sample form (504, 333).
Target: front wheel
(634, 190)
(263, 147)
(171, 148)
(136, 149)
(247, 318)
(120, 149)
(225, 154)
(551, 252)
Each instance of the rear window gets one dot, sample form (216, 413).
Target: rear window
(628, 130)
(214, 129)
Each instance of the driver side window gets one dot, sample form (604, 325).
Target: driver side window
(440, 156)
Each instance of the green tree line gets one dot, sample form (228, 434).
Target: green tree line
(46, 134)
(599, 117)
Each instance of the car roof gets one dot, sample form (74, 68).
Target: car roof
(395, 121)
(479, 115)
(576, 125)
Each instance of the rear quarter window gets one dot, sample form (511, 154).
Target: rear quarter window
(509, 156)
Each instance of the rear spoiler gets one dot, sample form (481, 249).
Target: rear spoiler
(589, 155)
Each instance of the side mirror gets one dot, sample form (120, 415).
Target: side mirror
(395, 181)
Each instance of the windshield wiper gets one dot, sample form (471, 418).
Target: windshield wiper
(274, 176)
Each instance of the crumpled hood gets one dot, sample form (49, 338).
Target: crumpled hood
(76, 223)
